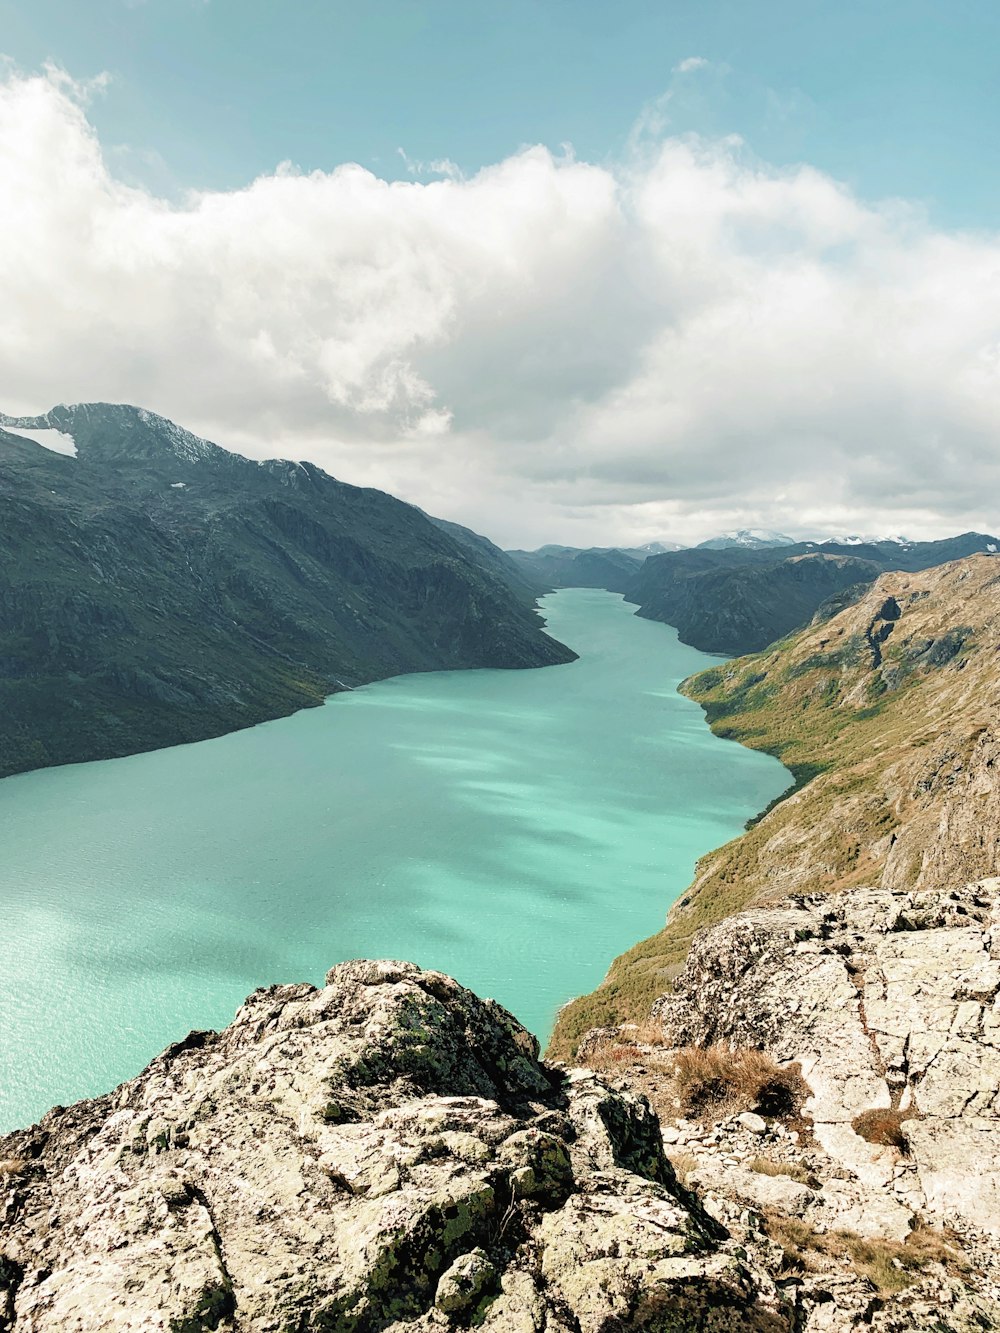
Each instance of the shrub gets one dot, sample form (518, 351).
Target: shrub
(883, 1126)
(717, 1079)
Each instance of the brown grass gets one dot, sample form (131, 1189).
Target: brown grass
(13, 1166)
(717, 1080)
(889, 1265)
(765, 1167)
(611, 1056)
(884, 1126)
(683, 1163)
(645, 1034)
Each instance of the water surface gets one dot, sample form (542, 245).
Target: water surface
(514, 828)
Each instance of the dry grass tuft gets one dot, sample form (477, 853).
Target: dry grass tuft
(889, 1265)
(937, 1245)
(715, 1080)
(13, 1166)
(765, 1167)
(883, 1126)
(610, 1056)
(646, 1034)
(683, 1163)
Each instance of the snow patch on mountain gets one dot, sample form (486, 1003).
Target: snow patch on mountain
(750, 538)
(56, 440)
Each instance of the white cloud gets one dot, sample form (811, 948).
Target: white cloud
(690, 64)
(550, 350)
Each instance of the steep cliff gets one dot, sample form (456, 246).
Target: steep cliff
(387, 1153)
(156, 589)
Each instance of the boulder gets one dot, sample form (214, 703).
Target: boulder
(384, 1153)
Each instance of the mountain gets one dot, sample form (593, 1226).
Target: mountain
(155, 588)
(751, 539)
(491, 558)
(567, 567)
(735, 600)
(885, 714)
(852, 539)
(651, 548)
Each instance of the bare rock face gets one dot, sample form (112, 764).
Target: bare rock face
(890, 1002)
(384, 1153)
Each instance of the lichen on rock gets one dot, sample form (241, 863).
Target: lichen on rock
(386, 1152)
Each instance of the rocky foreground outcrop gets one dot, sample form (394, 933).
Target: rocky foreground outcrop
(383, 1153)
(871, 1152)
(890, 1002)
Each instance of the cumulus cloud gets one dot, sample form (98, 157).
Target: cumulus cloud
(550, 349)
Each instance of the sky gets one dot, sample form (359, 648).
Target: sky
(562, 270)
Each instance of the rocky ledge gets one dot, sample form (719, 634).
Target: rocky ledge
(889, 1003)
(383, 1153)
(826, 1071)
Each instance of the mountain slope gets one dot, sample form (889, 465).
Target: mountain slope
(567, 567)
(886, 716)
(739, 599)
(156, 589)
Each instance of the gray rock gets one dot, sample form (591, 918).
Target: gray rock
(756, 1124)
(385, 1153)
(462, 1285)
(887, 1000)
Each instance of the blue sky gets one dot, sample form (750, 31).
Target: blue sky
(894, 97)
(605, 273)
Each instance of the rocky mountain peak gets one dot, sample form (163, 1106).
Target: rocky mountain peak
(110, 431)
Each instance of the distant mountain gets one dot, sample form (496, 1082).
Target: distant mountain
(651, 548)
(155, 588)
(567, 567)
(854, 540)
(751, 539)
(739, 599)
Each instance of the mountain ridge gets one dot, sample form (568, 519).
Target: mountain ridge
(158, 589)
(738, 600)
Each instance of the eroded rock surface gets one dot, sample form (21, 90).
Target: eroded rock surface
(383, 1153)
(890, 1002)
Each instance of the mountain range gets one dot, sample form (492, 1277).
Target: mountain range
(736, 594)
(156, 588)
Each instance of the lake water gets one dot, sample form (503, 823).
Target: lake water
(514, 828)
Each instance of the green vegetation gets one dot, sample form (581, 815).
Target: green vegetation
(819, 703)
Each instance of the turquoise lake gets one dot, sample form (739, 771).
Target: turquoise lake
(514, 828)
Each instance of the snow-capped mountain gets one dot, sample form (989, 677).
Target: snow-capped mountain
(750, 538)
(853, 539)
